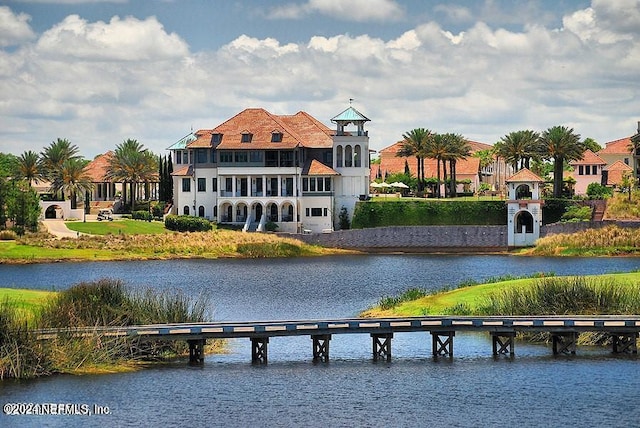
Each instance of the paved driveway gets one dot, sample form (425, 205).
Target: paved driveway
(57, 228)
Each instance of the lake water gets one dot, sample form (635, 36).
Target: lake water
(593, 388)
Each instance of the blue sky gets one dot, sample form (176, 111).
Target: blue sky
(99, 72)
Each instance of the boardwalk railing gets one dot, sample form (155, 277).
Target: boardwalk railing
(564, 332)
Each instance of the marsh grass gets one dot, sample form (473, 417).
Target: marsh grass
(564, 296)
(619, 207)
(105, 302)
(609, 240)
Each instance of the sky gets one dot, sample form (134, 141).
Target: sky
(99, 72)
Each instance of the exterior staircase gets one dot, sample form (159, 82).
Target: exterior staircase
(599, 208)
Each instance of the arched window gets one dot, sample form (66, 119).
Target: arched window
(523, 191)
(339, 157)
(287, 212)
(200, 211)
(524, 222)
(185, 210)
(357, 157)
(348, 156)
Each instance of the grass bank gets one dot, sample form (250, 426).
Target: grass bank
(100, 303)
(602, 294)
(118, 227)
(219, 243)
(606, 241)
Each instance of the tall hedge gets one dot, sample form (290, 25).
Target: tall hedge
(186, 223)
(440, 213)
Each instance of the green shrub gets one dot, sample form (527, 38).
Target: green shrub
(576, 213)
(185, 223)
(141, 215)
(271, 226)
(598, 191)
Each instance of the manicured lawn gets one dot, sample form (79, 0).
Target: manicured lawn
(117, 227)
(28, 302)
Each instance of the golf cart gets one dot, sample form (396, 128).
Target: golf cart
(105, 215)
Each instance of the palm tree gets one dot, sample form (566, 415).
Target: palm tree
(438, 149)
(56, 154)
(414, 143)
(560, 144)
(29, 167)
(72, 179)
(458, 148)
(518, 148)
(486, 159)
(132, 163)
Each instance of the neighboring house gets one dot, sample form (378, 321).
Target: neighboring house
(586, 171)
(617, 150)
(613, 174)
(469, 168)
(104, 190)
(258, 167)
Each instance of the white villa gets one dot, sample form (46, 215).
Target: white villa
(258, 167)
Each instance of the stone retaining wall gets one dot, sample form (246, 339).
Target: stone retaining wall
(438, 238)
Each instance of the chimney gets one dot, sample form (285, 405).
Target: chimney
(639, 127)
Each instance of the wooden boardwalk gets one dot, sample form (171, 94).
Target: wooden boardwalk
(564, 332)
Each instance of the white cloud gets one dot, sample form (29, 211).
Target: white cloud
(14, 29)
(87, 81)
(127, 39)
(352, 10)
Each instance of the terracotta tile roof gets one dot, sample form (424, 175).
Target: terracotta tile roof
(620, 146)
(391, 164)
(186, 170)
(315, 167)
(589, 158)
(524, 175)
(477, 146)
(300, 129)
(97, 168)
(616, 171)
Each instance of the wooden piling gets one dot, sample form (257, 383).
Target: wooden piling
(381, 346)
(321, 347)
(442, 343)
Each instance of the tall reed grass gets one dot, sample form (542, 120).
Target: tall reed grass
(566, 295)
(105, 302)
(609, 240)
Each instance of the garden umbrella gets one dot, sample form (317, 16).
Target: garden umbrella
(399, 184)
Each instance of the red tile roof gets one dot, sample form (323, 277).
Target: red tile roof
(616, 171)
(589, 158)
(186, 170)
(524, 175)
(315, 167)
(97, 168)
(300, 129)
(620, 146)
(391, 164)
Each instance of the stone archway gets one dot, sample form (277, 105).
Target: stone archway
(523, 222)
(53, 212)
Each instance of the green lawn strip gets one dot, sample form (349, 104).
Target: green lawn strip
(473, 296)
(116, 227)
(28, 302)
(12, 252)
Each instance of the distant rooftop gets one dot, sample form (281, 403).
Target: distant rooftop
(350, 115)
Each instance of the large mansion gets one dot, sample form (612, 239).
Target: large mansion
(258, 167)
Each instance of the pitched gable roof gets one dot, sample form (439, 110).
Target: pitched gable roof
(589, 158)
(524, 175)
(616, 171)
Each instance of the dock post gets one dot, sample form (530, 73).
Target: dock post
(196, 351)
(381, 346)
(321, 347)
(259, 350)
(564, 343)
(625, 343)
(442, 343)
(503, 342)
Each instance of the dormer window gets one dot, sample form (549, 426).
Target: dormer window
(216, 139)
(276, 137)
(246, 137)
